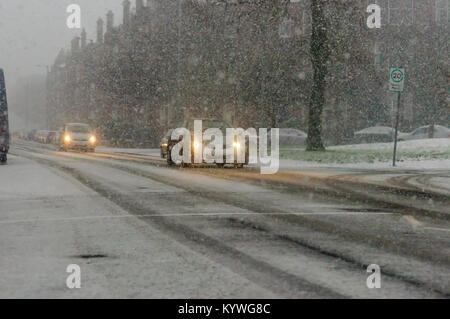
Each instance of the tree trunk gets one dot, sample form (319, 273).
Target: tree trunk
(319, 57)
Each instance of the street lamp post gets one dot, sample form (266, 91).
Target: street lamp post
(46, 96)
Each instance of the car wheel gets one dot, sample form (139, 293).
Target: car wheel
(169, 157)
(185, 165)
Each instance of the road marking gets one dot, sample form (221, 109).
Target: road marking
(416, 224)
(439, 229)
(32, 220)
(413, 222)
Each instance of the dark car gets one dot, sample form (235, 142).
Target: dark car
(206, 124)
(4, 126)
(52, 137)
(32, 135)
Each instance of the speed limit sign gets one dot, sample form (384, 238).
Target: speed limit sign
(397, 79)
(396, 84)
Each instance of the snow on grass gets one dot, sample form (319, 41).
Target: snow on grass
(434, 144)
(130, 151)
(415, 154)
(415, 150)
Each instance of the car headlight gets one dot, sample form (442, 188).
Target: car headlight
(67, 138)
(92, 139)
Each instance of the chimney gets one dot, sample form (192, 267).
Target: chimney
(151, 4)
(75, 45)
(139, 7)
(100, 30)
(126, 12)
(83, 39)
(109, 21)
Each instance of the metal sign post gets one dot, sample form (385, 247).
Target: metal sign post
(397, 120)
(396, 84)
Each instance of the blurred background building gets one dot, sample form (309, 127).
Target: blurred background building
(248, 63)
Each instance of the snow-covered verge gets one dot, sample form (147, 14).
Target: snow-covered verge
(415, 154)
(433, 144)
(437, 164)
(428, 153)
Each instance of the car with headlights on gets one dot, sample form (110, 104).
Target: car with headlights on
(77, 136)
(196, 145)
(163, 145)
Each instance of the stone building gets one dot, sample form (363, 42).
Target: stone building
(414, 35)
(146, 72)
(248, 63)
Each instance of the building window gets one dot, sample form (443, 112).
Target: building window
(286, 28)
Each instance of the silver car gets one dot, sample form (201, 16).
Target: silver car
(77, 136)
(292, 137)
(422, 133)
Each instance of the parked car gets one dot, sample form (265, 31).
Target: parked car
(4, 124)
(292, 137)
(422, 133)
(375, 134)
(77, 136)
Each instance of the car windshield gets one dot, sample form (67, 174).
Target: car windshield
(214, 124)
(78, 128)
(207, 124)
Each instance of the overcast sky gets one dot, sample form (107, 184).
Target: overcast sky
(33, 31)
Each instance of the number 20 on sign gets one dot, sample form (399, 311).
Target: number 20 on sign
(397, 79)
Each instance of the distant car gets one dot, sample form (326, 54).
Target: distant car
(77, 136)
(41, 136)
(22, 134)
(422, 133)
(32, 135)
(292, 137)
(165, 143)
(375, 134)
(52, 137)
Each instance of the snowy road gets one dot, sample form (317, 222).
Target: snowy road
(142, 230)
